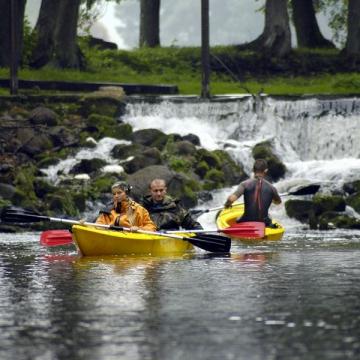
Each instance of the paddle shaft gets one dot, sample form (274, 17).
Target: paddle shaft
(303, 190)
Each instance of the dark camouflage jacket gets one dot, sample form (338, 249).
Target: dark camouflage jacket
(169, 215)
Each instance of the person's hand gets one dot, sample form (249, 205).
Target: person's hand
(82, 221)
(227, 204)
(134, 228)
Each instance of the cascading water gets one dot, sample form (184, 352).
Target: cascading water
(315, 138)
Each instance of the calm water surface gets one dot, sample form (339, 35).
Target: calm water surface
(296, 299)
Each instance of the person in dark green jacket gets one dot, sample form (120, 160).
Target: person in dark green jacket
(165, 211)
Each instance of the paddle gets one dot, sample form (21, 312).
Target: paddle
(300, 190)
(249, 229)
(208, 242)
(56, 238)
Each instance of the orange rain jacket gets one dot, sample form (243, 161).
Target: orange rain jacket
(132, 214)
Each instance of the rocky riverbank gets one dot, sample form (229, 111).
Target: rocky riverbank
(37, 133)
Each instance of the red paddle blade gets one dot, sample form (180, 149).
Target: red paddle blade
(247, 230)
(55, 238)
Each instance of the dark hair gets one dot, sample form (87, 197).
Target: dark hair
(123, 186)
(260, 165)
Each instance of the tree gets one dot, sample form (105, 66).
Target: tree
(307, 30)
(56, 31)
(149, 23)
(5, 42)
(352, 47)
(276, 38)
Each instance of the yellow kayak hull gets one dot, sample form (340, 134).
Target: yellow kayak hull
(93, 241)
(227, 217)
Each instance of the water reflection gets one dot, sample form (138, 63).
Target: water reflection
(294, 299)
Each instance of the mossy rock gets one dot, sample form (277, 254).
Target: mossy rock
(214, 179)
(233, 173)
(324, 203)
(24, 182)
(210, 158)
(88, 166)
(179, 164)
(330, 219)
(79, 200)
(201, 169)
(99, 104)
(352, 187)
(150, 137)
(103, 184)
(123, 152)
(100, 121)
(354, 201)
(276, 169)
(61, 203)
(47, 161)
(301, 210)
(43, 187)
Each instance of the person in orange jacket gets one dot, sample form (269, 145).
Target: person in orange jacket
(124, 211)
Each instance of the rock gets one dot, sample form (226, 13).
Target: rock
(7, 191)
(194, 139)
(88, 166)
(265, 151)
(150, 156)
(301, 210)
(184, 148)
(43, 116)
(178, 185)
(150, 137)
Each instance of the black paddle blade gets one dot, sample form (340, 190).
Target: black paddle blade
(13, 214)
(211, 242)
(305, 190)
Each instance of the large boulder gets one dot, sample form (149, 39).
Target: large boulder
(150, 156)
(179, 185)
(150, 137)
(265, 151)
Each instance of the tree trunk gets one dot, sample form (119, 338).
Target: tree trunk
(5, 42)
(276, 37)
(352, 47)
(67, 52)
(149, 23)
(307, 30)
(45, 33)
(56, 30)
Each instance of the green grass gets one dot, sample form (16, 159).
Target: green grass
(182, 67)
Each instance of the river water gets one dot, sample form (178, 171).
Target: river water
(295, 299)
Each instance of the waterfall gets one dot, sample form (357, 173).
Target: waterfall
(317, 139)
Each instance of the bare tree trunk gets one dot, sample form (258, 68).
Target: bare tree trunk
(5, 45)
(67, 52)
(276, 38)
(352, 47)
(149, 23)
(307, 30)
(45, 33)
(56, 30)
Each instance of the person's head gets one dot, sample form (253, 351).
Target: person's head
(120, 190)
(158, 189)
(260, 166)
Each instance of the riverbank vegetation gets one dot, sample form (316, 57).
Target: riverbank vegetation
(232, 71)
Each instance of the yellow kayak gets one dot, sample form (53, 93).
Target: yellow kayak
(93, 241)
(227, 217)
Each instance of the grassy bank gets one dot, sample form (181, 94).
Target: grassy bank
(304, 72)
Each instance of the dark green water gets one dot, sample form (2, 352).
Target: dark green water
(296, 299)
